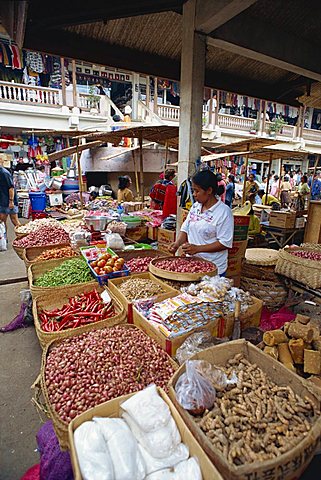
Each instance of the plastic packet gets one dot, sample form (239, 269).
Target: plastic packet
(197, 342)
(214, 374)
(148, 409)
(154, 464)
(193, 391)
(114, 241)
(188, 470)
(3, 237)
(144, 305)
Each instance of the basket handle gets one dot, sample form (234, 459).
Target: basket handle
(37, 398)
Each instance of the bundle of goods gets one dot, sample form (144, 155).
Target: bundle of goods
(297, 346)
(80, 310)
(67, 273)
(301, 264)
(259, 277)
(47, 235)
(59, 252)
(117, 227)
(139, 288)
(244, 413)
(34, 225)
(143, 442)
(71, 226)
(181, 268)
(83, 371)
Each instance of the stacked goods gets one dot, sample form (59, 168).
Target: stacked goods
(297, 346)
(253, 417)
(59, 252)
(46, 235)
(67, 273)
(81, 310)
(83, 371)
(35, 224)
(300, 264)
(139, 288)
(129, 436)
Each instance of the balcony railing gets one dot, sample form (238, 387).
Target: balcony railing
(236, 123)
(168, 112)
(17, 93)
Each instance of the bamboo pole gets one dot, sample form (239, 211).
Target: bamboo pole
(79, 176)
(268, 179)
(136, 173)
(155, 95)
(316, 163)
(141, 167)
(245, 173)
(264, 117)
(280, 178)
(74, 83)
(166, 156)
(63, 80)
(210, 108)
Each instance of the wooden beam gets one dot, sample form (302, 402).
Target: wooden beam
(268, 179)
(255, 39)
(69, 151)
(141, 168)
(245, 173)
(74, 84)
(212, 14)
(63, 81)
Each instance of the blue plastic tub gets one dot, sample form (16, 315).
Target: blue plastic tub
(38, 201)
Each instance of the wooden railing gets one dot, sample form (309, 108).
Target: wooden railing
(236, 123)
(17, 93)
(168, 112)
(312, 135)
(146, 115)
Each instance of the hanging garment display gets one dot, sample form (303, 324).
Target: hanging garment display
(34, 62)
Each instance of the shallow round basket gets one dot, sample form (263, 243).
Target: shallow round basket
(261, 256)
(182, 277)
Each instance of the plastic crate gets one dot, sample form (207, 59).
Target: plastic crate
(103, 279)
(35, 214)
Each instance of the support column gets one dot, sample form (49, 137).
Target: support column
(63, 80)
(264, 118)
(74, 83)
(135, 95)
(147, 91)
(210, 109)
(155, 95)
(217, 109)
(191, 102)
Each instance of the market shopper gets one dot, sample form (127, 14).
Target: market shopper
(158, 191)
(230, 191)
(269, 199)
(124, 193)
(8, 197)
(251, 187)
(208, 229)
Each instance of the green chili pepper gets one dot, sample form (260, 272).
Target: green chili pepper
(67, 273)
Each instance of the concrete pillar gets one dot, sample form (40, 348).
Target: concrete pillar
(191, 101)
(155, 95)
(148, 91)
(135, 97)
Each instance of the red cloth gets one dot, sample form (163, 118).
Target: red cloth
(33, 473)
(170, 202)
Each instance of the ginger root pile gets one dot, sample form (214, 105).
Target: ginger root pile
(256, 420)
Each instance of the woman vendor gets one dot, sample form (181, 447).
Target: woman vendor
(208, 229)
(124, 193)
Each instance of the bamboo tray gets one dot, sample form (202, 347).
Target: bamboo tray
(261, 256)
(182, 277)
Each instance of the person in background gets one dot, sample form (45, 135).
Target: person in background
(158, 191)
(230, 191)
(221, 182)
(41, 174)
(270, 199)
(8, 197)
(254, 225)
(285, 191)
(275, 186)
(208, 229)
(92, 196)
(251, 188)
(316, 187)
(292, 181)
(124, 193)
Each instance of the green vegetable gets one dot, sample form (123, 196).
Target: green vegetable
(69, 272)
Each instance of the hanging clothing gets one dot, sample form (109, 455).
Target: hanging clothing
(35, 62)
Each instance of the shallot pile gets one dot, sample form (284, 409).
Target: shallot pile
(185, 265)
(49, 235)
(307, 254)
(139, 264)
(100, 365)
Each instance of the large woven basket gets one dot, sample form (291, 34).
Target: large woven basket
(37, 269)
(19, 250)
(51, 300)
(273, 294)
(302, 270)
(18, 234)
(261, 273)
(30, 254)
(60, 426)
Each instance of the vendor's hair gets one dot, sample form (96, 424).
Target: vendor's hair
(170, 172)
(261, 192)
(231, 177)
(124, 181)
(207, 179)
(304, 179)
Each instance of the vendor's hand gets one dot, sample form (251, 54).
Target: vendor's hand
(173, 248)
(190, 249)
(11, 204)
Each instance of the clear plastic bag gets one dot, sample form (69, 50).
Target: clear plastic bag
(214, 374)
(3, 237)
(114, 241)
(194, 392)
(197, 342)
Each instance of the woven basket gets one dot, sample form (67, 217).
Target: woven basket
(302, 270)
(272, 294)
(18, 234)
(50, 301)
(311, 246)
(61, 427)
(19, 251)
(263, 257)
(259, 272)
(37, 269)
(31, 253)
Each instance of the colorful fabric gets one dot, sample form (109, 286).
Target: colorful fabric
(35, 62)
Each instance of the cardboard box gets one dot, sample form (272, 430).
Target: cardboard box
(282, 219)
(164, 247)
(300, 222)
(152, 233)
(55, 199)
(236, 254)
(137, 234)
(166, 236)
(113, 409)
(293, 462)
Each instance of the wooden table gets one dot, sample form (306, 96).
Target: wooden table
(281, 236)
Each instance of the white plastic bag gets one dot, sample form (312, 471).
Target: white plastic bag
(3, 237)
(148, 409)
(114, 241)
(154, 464)
(188, 470)
(92, 452)
(162, 475)
(160, 443)
(126, 458)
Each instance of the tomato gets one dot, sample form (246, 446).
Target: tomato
(97, 270)
(116, 269)
(101, 263)
(121, 261)
(94, 264)
(108, 269)
(110, 262)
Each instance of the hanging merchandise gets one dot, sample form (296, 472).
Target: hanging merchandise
(35, 62)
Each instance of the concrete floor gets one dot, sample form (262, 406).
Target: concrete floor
(20, 359)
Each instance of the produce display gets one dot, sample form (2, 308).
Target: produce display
(80, 310)
(107, 263)
(297, 346)
(307, 254)
(59, 252)
(69, 272)
(94, 367)
(184, 265)
(144, 441)
(139, 288)
(47, 235)
(71, 226)
(35, 224)
(139, 264)
(255, 420)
